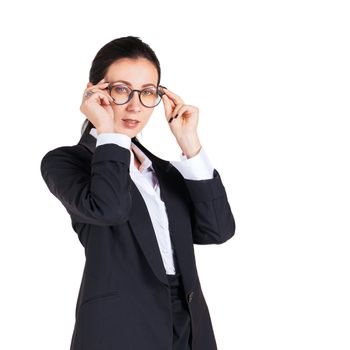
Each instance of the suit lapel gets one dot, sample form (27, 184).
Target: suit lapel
(141, 224)
(171, 195)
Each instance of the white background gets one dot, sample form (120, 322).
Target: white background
(271, 81)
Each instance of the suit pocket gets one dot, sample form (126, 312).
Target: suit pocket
(99, 298)
(102, 319)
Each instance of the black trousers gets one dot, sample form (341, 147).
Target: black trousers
(181, 316)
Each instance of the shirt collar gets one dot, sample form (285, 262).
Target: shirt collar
(146, 163)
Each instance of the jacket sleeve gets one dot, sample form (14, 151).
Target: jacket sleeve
(211, 215)
(99, 194)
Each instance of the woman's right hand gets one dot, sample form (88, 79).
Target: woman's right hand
(97, 107)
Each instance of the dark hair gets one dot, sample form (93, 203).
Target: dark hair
(124, 47)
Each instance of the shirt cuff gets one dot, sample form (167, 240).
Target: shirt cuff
(198, 167)
(113, 137)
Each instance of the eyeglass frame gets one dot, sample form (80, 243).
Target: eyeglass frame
(159, 91)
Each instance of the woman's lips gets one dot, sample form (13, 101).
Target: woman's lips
(130, 123)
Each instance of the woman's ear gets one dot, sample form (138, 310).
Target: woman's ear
(89, 84)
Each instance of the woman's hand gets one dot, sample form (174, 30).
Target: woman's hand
(183, 121)
(97, 107)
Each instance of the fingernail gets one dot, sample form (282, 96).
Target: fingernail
(176, 116)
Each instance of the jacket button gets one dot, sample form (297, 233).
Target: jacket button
(190, 296)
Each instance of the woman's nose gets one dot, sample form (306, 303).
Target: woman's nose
(134, 100)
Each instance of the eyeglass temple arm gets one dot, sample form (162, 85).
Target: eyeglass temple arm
(160, 90)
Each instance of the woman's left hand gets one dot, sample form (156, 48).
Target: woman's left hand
(183, 121)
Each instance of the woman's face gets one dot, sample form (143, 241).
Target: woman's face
(137, 72)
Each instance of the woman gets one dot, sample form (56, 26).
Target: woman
(138, 215)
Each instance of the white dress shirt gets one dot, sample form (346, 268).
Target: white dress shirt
(198, 167)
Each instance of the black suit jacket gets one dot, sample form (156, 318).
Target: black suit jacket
(124, 300)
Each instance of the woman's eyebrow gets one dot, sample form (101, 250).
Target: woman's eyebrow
(128, 83)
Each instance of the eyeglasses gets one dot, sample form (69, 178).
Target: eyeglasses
(149, 96)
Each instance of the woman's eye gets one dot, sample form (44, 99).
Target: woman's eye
(120, 88)
(148, 92)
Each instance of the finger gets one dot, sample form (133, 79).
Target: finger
(98, 94)
(184, 111)
(108, 97)
(102, 85)
(168, 106)
(175, 114)
(175, 111)
(95, 87)
(104, 99)
(177, 99)
(89, 84)
(172, 103)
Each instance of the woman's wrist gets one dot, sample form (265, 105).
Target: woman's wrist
(104, 129)
(190, 146)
